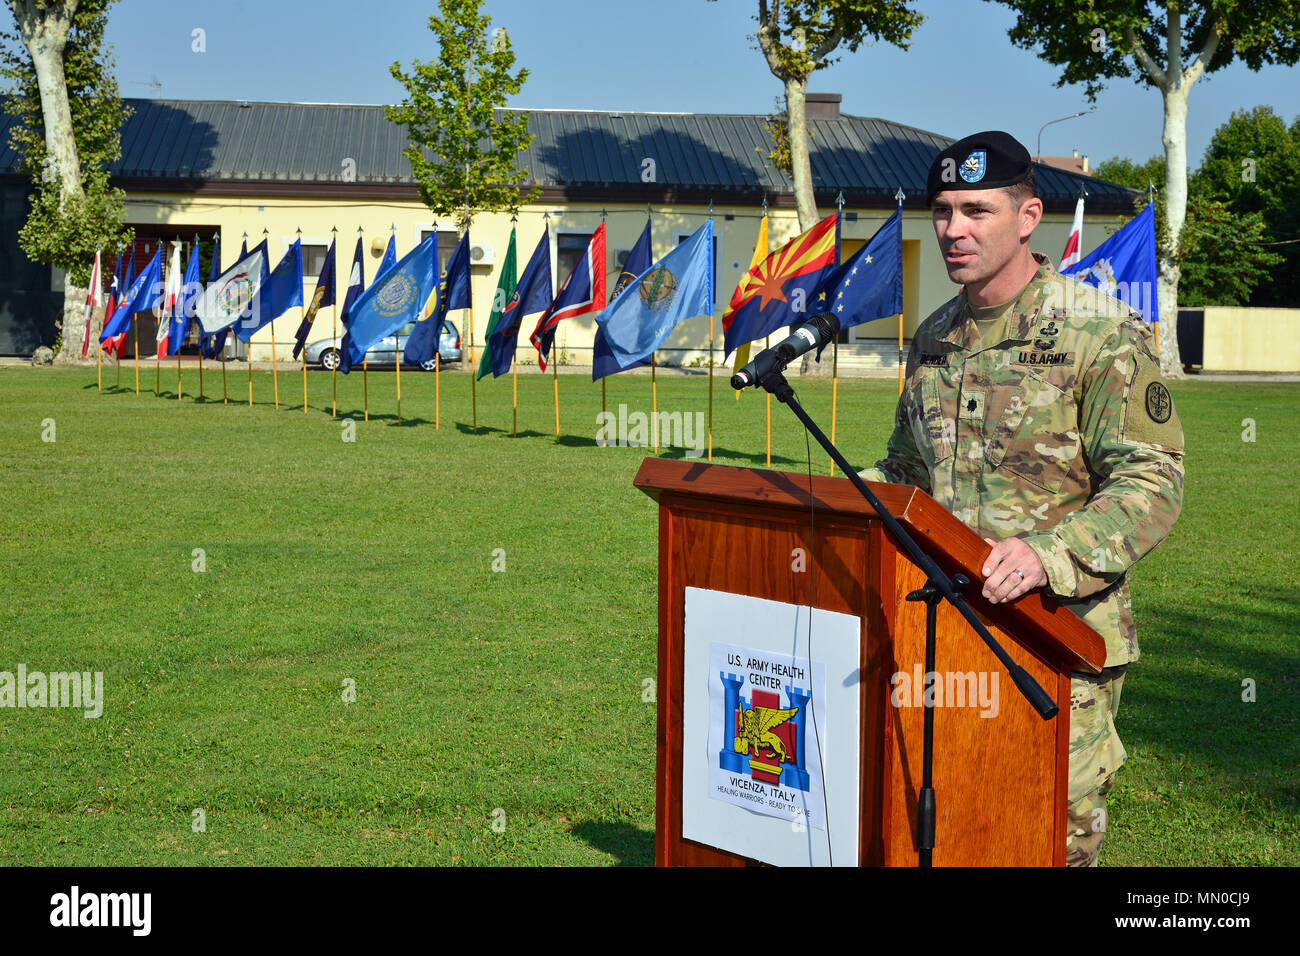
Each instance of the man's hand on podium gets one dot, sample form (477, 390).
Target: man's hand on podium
(1010, 570)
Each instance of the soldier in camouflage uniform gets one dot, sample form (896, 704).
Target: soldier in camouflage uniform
(1034, 410)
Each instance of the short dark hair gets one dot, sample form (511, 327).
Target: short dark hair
(1027, 188)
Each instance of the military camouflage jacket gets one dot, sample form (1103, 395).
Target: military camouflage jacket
(1057, 428)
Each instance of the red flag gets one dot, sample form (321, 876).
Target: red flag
(583, 292)
(1073, 244)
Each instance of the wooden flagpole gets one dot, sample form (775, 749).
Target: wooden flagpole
(181, 303)
(274, 371)
(201, 396)
(249, 356)
(437, 387)
(334, 372)
(397, 352)
(711, 359)
(99, 352)
(365, 384)
(225, 397)
(835, 393)
(136, 336)
(767, 344)
(555, 372)
(654, 404)
(303, 353)
(514, 398)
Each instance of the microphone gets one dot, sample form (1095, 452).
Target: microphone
(816, 333)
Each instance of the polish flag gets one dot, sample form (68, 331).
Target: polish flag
(1074, 244)
(171, 298)
(92, 303)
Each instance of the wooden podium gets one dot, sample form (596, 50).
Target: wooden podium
(1000, 783)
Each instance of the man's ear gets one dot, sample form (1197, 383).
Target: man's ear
(1031, 214)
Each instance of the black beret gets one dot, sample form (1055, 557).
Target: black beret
(987, 160)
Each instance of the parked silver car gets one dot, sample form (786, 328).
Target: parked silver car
(325, 352)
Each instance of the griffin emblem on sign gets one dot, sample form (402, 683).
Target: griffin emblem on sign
(754, 729)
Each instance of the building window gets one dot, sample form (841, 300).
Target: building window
(313, 259)
(682, 238)
(447, 242)
(569, 248)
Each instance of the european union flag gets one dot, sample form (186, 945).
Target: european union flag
(278, 293)
(453, 293)
(869, 285)
(393, 299)
(679, 286)
(638, 261)
(1124, 266)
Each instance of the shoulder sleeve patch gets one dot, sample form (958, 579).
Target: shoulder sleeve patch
(1151, 418)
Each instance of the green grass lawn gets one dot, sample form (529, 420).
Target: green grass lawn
(512, 696)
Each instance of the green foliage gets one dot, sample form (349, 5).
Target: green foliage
(1223, 255)
(778, 127)
(1092, 42)
(463, 153)
(63, 229)
(805, 33)
(1252, 168)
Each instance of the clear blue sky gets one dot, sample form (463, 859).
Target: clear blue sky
(961, 74)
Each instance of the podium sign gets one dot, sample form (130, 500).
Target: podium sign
(777, 749)
(771, 721)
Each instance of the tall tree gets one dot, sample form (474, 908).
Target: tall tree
(471, 163)
(1106, 39)
(1252, 167)
(1222, 258)
(65, 100)
(799, 37)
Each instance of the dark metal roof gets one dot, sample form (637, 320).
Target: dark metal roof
(180, 144)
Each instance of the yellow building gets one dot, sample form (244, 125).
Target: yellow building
(282, 171)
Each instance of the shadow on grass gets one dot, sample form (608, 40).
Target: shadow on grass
(630, 845)
(1185, 697)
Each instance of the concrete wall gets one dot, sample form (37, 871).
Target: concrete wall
(1240, 339)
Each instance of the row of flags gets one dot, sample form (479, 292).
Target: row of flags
(781, 288)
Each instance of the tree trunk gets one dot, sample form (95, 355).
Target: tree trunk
(44, 31)
(800, 161)
(1175, 141)
(74, 325)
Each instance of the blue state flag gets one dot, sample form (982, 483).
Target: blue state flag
(390, 257)
(279, 292)
(453, 293)
(393, 299)
(869, 284)
(1124, 266)
(638, 261)
(145, 293)
(677, 287)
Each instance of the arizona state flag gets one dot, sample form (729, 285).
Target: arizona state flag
(760, 253)
(781, 289)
